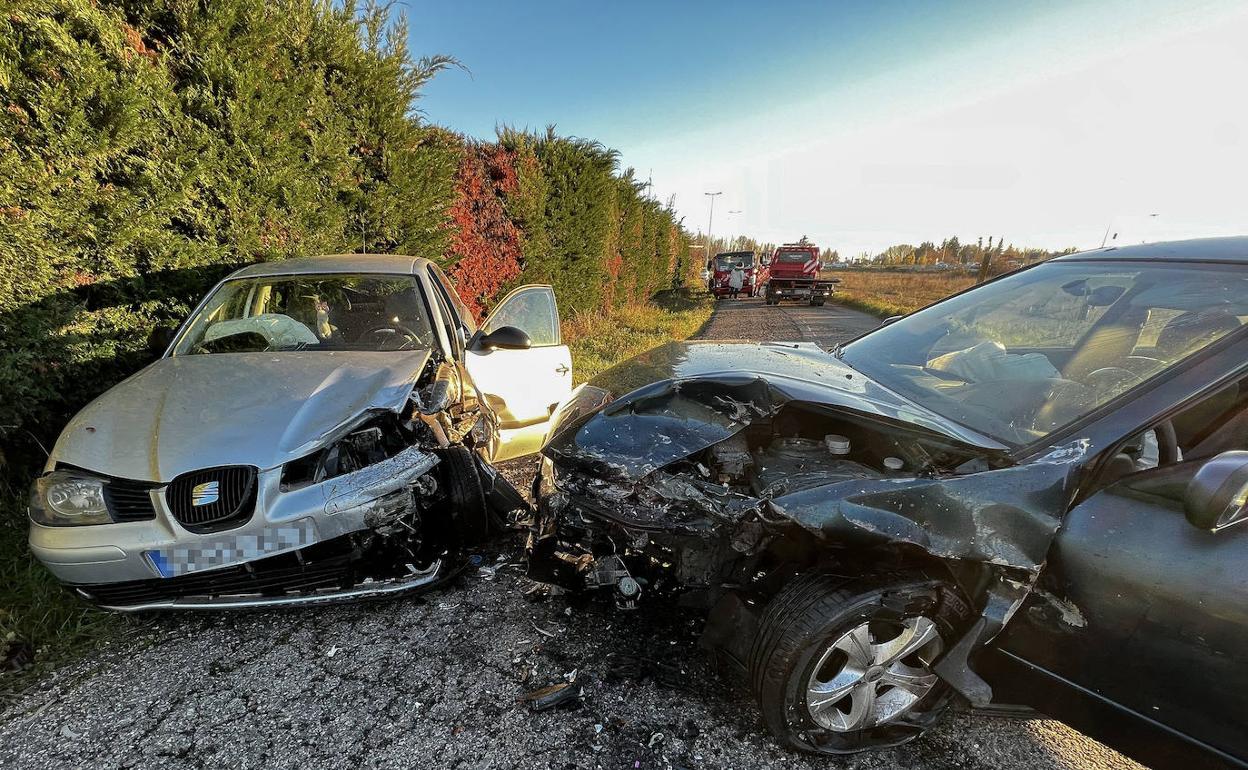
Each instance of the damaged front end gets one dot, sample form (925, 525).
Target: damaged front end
(721, 486)
(381, 504)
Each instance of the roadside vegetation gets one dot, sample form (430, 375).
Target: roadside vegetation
(887, 293)
(599, 342)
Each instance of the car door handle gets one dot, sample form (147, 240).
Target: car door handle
(562, 369)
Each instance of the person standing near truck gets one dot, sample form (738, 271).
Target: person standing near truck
(736, 280)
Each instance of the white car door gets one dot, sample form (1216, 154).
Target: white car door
(522, 386)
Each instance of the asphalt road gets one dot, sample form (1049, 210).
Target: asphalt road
(752, 319)
(437, 681)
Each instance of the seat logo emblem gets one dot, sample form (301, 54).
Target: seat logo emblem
(205, 494)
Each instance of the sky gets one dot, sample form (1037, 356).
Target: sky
(863, 125)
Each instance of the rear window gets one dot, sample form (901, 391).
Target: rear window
(794, 256)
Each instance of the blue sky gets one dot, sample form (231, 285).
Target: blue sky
(865, 124)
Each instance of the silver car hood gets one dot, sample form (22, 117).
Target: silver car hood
(263, 409)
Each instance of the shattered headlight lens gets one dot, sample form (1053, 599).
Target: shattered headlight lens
(65, 499)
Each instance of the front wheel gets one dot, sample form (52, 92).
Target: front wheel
(841, 666)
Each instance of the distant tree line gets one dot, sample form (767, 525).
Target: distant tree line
(951, 251)
(147, 148)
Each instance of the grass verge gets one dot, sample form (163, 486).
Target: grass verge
(885, 293)
(38, 615)
(599, 342)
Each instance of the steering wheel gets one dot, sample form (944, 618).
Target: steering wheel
(391, 336)
(1098, 387)
(1143, 366)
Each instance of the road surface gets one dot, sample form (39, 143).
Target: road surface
(753, 319)
(436, 681)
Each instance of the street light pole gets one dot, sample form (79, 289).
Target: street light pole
(709, 221)
(732, 240)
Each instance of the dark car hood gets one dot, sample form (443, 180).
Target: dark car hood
(680, 398)
(262, 409)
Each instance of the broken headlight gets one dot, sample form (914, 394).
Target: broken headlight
(68, 499)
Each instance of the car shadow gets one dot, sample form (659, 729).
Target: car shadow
(61, 350)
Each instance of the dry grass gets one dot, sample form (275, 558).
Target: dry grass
(887, 293)
(599, 342)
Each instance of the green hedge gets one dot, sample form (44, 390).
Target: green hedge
(145, 150)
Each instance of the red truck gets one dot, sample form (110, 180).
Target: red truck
(720, 268)
(795, 275)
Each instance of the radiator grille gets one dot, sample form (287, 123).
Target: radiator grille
(214, 498)
(129, 500)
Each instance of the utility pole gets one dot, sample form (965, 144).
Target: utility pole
(709, 221)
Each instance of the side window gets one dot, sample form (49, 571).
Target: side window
(1216, 423)
(533, 311)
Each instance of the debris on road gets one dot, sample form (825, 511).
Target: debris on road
(560, 695)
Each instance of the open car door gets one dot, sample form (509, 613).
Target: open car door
(522, 386)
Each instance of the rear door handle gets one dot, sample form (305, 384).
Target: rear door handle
(562, 369)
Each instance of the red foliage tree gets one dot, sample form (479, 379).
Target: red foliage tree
(485, 245)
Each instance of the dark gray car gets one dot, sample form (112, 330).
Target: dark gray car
(1020, 495)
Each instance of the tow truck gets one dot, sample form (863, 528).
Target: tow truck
(720, 268)
(795, 275)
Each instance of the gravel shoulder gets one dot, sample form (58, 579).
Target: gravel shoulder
(438, 680)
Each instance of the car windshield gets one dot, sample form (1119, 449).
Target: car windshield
(310, 312)
(728, 261)
(1031, 353)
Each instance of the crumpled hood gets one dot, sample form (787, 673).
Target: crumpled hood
(262, 409)
(680, 398)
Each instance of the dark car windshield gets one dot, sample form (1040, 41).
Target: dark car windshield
(1026, 355)
(310, 312)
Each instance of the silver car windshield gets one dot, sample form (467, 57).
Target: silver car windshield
(310, 312)
(1031, 353)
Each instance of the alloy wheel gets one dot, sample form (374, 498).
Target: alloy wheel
(873, 673)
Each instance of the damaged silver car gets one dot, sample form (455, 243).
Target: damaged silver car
(318, 429)
(1018, 495)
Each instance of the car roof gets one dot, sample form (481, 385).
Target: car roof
(1231, 249)
(390, 264)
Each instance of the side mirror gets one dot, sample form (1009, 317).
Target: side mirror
(159, 339)
(504, 338)
(1217, 496)
(892, 319)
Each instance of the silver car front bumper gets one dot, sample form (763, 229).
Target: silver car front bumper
(284, 521)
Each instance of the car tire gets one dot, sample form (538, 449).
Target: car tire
(801, 648)
(467, 498)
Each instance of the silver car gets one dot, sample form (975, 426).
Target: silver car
(318, 429)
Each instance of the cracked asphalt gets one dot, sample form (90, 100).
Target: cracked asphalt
(437, 681)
